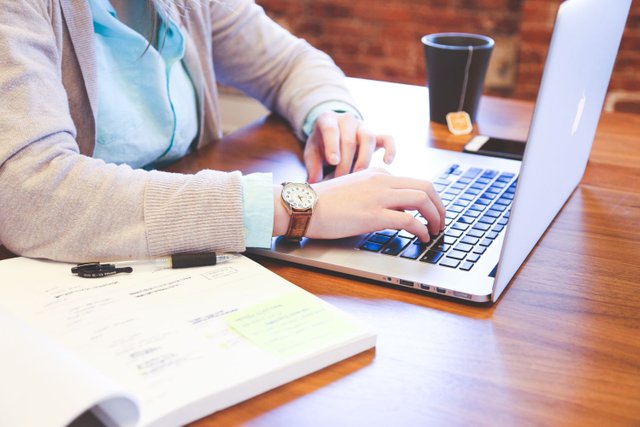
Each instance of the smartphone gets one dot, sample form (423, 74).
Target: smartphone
(496, 147)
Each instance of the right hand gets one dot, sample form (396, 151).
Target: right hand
(366, 201)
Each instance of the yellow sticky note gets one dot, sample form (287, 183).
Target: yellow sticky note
(292, 324)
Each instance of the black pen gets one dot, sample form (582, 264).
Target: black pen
(180, 260)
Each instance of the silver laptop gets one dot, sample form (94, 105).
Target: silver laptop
(497, 209)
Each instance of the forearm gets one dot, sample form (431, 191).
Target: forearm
(73, 208)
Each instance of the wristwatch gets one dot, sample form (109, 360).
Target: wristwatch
(299, 199)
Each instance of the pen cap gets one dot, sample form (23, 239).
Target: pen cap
(186, 260)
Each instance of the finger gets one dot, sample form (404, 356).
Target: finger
(329, 134)
(348, 128)
(313, 159)
(400, 220)
(387, 143)
(366, 143)
(420, 201)
(428, 188)
(435, 197)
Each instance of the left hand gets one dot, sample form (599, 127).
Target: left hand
(344, 141)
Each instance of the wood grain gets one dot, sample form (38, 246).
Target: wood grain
(561, 348)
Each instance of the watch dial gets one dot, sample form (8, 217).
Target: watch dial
(299, 196)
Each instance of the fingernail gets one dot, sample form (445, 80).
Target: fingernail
(334, 159)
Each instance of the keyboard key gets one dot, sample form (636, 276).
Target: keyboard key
(486, 219)
(370, 246)
(472, 173)
(472, 213)
(481, 226)
(466, 266)
(460, 226)
(440, 246)
(414, 250)
(493, 213)
(492, 235)
(453, 168)
(470, 240)
(395, 246)
(388, 232)
(461, 202)
(465, 219)
(450, 214)
(489, 195)
(507, 195)
(450, 262)
(479, 250)
(455, 208)
(432, 257)
(449, 240)
(454, 233)
(486, 242)
(379, 238)
(475, 233)
(456, 254)
(498, 228)
(463, 247)
(473, 257)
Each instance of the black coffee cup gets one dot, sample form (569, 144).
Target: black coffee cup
(456, 67)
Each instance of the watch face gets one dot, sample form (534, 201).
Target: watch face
(299, 196)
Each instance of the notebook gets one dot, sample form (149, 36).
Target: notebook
(497, 209)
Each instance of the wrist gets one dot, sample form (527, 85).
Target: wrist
(280, 213)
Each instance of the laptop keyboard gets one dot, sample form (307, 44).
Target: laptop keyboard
(477, 203)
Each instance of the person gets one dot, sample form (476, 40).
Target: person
(97, 95)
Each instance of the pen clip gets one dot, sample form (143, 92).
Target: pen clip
(92, 270)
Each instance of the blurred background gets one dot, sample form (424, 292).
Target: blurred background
(380, 40)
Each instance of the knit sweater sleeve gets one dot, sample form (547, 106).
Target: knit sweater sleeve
(254, 54)
(56, 203)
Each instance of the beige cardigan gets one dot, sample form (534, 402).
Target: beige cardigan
(58, 202)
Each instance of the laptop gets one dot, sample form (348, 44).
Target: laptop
(497, 209)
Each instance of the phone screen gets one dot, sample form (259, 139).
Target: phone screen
(496, 147)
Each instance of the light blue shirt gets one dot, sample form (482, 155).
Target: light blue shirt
(147, 114)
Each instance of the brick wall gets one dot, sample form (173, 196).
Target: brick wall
(381, 39)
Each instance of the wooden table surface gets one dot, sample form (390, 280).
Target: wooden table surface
(561, 347)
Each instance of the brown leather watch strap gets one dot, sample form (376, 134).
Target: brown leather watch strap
(298, 224)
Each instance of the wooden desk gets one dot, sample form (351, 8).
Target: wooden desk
(562, 346)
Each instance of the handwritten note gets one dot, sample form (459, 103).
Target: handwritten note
(290, 325)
